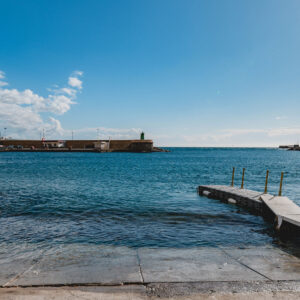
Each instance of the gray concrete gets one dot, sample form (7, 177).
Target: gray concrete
(179, 291)
(79, 264)
(284, 208)
(103, 265)
(197, 264)
(15, 259)
(227, 289)
(271, 262)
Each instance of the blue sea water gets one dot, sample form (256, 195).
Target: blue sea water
(137, 200)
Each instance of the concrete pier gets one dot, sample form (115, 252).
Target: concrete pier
(284, 209)
(281, 210)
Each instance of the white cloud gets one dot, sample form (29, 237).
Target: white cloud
(2, 76)
(68, 91)
(3, 83)
(78, 73)
(54, 127)
(26, 113)
(75, 82)
(22, 111)
(13, 96)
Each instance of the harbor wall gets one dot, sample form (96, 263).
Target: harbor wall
(114, 145)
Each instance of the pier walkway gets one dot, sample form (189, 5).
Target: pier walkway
(283, 210)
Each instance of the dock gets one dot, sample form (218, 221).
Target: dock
(283, 208)
(278, 209)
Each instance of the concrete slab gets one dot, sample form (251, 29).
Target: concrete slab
(80, 264)
(247, 193)
(284, 208)
(16, 259)
(269, 261)
(281, 205)
(195, 264)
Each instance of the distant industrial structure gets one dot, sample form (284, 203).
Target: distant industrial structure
(295, 147)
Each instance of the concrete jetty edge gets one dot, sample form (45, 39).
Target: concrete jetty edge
(283, 212)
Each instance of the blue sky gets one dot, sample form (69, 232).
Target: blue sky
(188, 73)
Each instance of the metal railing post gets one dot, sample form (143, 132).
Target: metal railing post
(280, 187)
(266, 182)
(242, 185)
(232, 180)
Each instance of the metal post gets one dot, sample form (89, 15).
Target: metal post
(232, 180)
(266, 183)
(280, 187)
(242, 185)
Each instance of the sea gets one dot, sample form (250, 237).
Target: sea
(138, 199)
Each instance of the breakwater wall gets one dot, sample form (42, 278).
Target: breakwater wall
(80, 145)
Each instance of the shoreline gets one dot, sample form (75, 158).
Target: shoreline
(63, 150)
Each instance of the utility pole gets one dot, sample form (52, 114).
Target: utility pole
(98, 134)
(4, 133)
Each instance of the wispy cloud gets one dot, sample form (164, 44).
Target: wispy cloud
(104, 133)
(278, 118)
(243, 137)
(75, 81)
(2, 82)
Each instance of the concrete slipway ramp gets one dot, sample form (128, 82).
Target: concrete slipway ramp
(106, 265)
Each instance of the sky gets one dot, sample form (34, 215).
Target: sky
(187, 73)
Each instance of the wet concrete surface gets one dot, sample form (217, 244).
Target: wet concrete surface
(17, 259)
(198, 264)
(107, 265)
(68, 265)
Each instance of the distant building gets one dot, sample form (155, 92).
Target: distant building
(102, 145)
(54, 144)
